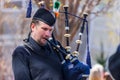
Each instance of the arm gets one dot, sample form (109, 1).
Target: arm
(20, 64)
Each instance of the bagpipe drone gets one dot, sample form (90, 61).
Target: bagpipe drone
(73, 68)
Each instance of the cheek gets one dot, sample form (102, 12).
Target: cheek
(39, 32)
(36, 33)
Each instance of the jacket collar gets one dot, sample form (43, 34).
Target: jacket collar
(36, 46)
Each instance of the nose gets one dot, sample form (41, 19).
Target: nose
(48, 33)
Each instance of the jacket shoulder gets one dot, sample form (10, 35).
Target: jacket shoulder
(20, 50)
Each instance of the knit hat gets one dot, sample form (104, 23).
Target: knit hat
(45, 16)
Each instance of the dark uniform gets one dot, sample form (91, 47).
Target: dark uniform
(35, 62)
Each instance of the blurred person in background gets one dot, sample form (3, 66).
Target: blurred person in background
(114, 64)
(96, 72)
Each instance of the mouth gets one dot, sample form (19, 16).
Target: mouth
(45, 39)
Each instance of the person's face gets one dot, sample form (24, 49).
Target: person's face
(41, 32)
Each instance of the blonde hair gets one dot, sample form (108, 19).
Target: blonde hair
(97, 72)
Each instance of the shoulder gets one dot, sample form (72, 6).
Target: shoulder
(19, 50)
(19, 57)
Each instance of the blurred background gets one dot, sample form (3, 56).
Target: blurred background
(103, 26)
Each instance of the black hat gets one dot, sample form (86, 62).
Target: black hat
(45, 16)
(114, 64)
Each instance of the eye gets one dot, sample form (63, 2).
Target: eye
(45, 29)
(51, 30)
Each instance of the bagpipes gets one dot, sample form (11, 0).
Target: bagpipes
(73, 68)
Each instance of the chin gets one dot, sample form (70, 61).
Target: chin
(43, 43)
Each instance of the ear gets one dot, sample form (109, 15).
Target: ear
(32, 26)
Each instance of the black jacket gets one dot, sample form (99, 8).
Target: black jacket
(36, 63)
